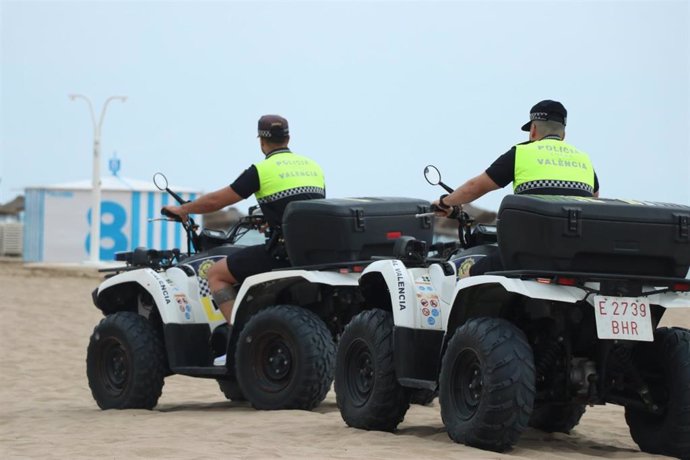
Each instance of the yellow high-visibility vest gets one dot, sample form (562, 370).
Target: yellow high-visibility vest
(551, 163)
(285, 174)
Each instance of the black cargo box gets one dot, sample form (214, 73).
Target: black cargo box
(350, 229)
(561, 233)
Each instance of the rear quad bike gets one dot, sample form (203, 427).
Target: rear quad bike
(160, 319)
(571, 321)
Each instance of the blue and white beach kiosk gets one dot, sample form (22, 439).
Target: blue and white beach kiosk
(57, 219)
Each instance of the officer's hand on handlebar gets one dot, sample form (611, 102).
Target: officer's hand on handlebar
(436, 209)
(174, 212)
(441, 209)
(451, 212)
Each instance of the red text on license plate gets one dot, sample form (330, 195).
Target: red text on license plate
(624, 318)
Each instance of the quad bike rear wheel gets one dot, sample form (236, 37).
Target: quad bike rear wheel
(366, 388)
(125, 362)
(487, 384)
(665, 366)
(284, 359)
(556, 418)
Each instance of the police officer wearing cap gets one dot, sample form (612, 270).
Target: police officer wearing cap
(544, 165)
(282, 177)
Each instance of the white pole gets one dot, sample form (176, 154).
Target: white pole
(95, 247)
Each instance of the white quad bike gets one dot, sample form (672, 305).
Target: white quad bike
(160, 320)
(518, 348)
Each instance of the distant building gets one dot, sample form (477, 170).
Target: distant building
(11, 228)
(12, 210)
(57, 219)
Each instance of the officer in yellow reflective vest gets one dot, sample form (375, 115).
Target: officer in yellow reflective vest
(282, 177)
(544, 165)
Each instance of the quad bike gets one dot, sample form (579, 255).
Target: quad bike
(160, 318)
(572, 320)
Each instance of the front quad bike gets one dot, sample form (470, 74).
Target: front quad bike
(160, 318)
(571, 321)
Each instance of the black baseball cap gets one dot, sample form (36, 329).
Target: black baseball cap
(546, 110)
(273, 127)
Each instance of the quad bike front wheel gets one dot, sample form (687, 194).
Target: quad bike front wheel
(284, 359)
(231, 389)
(125, 362)
(422, 396)
(487, 384)
(665, 367)
(366, 388)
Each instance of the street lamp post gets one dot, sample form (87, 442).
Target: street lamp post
(96, 178)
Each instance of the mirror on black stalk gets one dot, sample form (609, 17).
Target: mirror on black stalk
(432, 175)
(160, 181)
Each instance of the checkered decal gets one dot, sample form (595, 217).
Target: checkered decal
(292, 192)
(201, 268)
(562, 184)
(204, 289)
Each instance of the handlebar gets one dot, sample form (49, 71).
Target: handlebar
(170, 215)
(189, 226)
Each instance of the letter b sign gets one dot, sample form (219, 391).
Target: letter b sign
(113, 220)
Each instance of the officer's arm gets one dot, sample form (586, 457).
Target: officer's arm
(206, 203)
(471, 190)
(212, 201)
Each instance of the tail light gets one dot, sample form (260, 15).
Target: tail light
(683, 287)
(567, 281)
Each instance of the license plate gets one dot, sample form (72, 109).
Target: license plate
(623, 318)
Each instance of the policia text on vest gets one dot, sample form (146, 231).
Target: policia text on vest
(552, 160)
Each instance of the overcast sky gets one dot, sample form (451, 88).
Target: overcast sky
(373, 90)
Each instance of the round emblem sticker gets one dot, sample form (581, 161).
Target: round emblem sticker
(203, 269)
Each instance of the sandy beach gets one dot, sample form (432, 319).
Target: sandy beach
(46, 408)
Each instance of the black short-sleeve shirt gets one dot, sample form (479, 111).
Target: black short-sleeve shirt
(247, 183)
(502, 172)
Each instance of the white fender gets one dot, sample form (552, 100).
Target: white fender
(527, 288)
(400, 286)
(174, 305)
(560, 293)
(671, 299)
(415, 301)
(330, 278)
